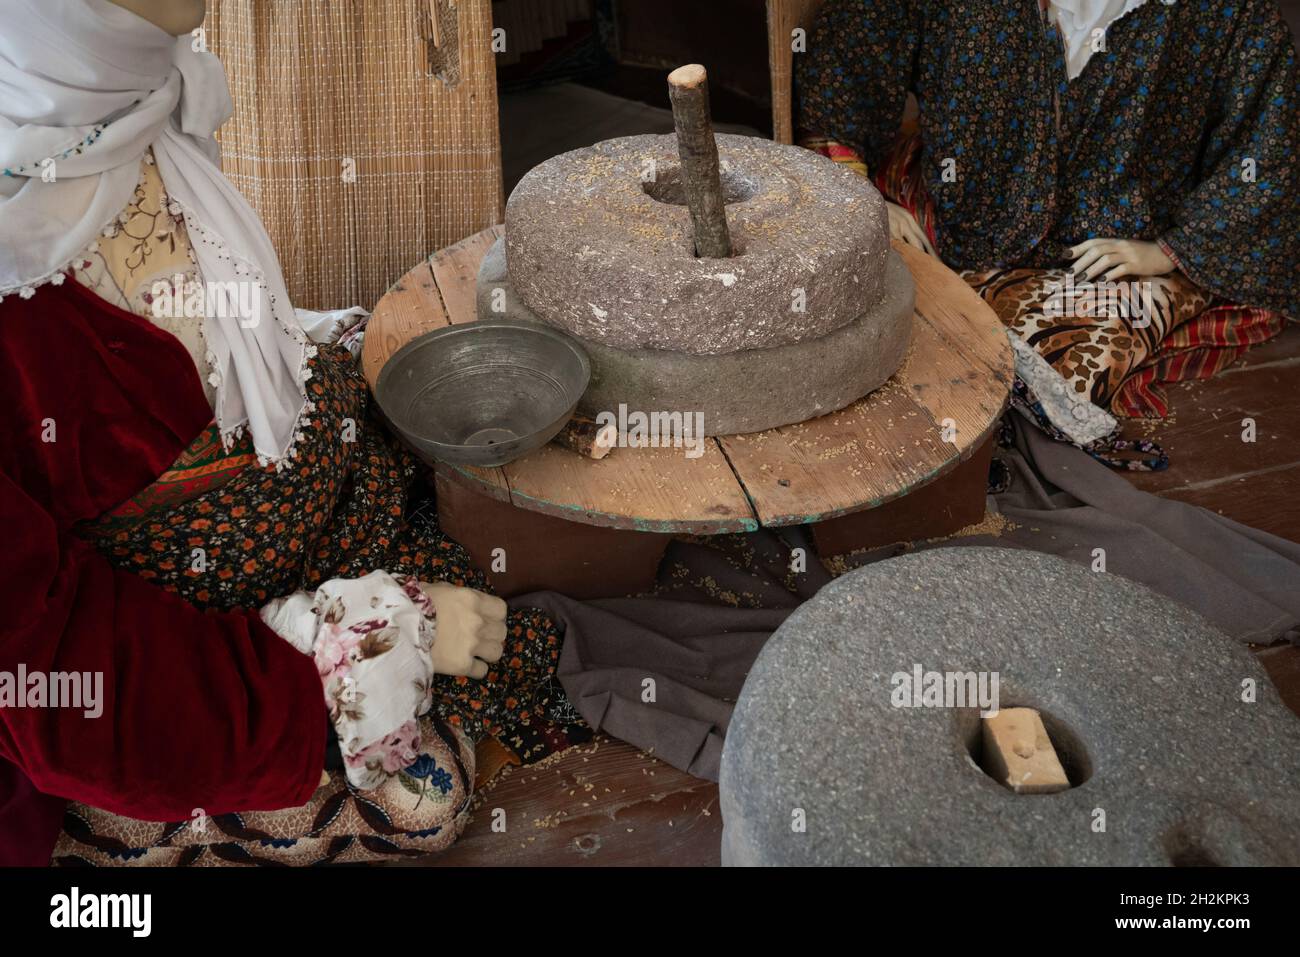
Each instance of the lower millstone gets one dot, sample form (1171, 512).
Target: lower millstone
(736, 392)
(837, 755)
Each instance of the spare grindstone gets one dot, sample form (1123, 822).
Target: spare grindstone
(1144, 702)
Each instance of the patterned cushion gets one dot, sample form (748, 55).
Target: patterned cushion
(416, 812)
(1084, 334)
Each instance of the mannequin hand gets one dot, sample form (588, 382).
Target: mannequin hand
(1109, 259)
(471, 629)
(903, 225)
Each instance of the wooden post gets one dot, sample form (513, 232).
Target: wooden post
(688, 89)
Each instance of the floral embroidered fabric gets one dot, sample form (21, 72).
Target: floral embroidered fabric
(147, 246)
(372, 640)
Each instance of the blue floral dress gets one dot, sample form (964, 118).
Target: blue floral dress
(1182, 131)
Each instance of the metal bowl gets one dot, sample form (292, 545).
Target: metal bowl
(483, 393)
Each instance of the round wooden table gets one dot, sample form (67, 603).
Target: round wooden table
(907, 462)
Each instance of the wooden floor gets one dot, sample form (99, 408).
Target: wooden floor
(1255, 483)
(602, 803)
(607, 803)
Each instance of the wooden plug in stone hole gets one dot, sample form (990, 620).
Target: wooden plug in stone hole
(1018, 754)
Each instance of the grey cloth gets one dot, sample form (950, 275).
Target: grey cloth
(1246, 582)
(694, 655)
(721, 599)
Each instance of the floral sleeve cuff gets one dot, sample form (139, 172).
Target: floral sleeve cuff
(372, 641)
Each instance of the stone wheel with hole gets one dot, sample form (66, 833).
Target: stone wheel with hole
(1141, 697)
(599, 243)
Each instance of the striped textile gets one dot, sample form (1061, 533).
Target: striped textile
(1198, 349)
(896, 180)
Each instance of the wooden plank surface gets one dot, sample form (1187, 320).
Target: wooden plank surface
(961, 366)
(456, 271)
(486, 481)
(1256, 483)
(958, 369)
(856, 458)
(957, 373)
(410, 308)
(648, 490)
(957, 315)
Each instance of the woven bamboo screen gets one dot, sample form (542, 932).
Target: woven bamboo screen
(365, 133)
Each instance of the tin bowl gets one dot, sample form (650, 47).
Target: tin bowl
(483, 393)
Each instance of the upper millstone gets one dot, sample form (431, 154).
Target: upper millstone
(599, 243)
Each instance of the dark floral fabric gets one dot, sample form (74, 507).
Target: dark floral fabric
(343, 509)
(1183, 130)
(350, 504)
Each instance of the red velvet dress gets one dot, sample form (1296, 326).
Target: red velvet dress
(200, 710)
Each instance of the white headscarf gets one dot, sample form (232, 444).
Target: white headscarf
(91, 86)
(1079, 18)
